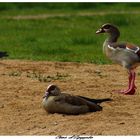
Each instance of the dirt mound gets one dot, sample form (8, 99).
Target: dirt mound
(23, 84)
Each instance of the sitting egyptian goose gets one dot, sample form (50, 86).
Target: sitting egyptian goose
(57, 102)
(125, 54)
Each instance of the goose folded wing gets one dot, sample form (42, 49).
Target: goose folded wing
(77, 101)
(73, 100)
(127, 46)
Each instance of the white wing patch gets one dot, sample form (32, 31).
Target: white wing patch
(135, 51)
(111, 48)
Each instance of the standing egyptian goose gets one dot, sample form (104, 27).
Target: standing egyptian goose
(57, 102)
(125, 54)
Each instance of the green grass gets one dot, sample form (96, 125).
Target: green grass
(68, 38)
(36, 8)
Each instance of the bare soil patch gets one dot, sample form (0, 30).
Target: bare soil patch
(23, 83)
(45, 16)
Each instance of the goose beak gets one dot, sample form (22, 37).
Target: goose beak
(46, 95)
(100, 31)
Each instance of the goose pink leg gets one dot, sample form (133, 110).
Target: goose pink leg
(131, 86)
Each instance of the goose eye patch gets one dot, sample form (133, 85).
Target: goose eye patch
(106, 27)
(51, 88)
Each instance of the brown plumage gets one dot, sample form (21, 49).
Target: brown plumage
(57, 102)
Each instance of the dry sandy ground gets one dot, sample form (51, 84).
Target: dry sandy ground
(22, 86)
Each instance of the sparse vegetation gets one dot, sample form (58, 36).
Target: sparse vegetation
(15, 73)
(47, 78)
(39, 76)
